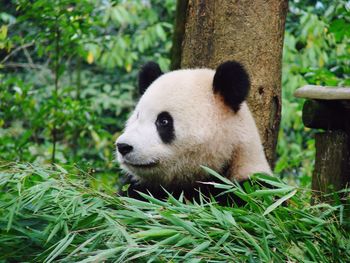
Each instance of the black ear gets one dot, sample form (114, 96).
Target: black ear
(148, 73)
(232, 82)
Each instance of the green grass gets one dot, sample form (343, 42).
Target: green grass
(49, 215)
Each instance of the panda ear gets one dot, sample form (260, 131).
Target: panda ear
(148, 73)
(231, 80)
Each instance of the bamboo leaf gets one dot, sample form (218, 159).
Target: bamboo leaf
(61, 246)
(155, 233)
(279, 202)
(217, 175)
(197, 249)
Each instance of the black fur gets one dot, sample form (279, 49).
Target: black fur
(191, 192)
(232, 81)
(165, 127)
(148, 73)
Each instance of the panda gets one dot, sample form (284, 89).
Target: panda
(186, 119)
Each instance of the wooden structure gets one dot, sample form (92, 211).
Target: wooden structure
(328, 108)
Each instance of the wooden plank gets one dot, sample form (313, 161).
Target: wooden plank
(327, 115)
(323, 92)
(332, 164)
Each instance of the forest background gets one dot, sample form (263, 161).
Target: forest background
(68, 75)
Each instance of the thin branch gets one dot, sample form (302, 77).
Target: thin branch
(29, 58)
(57, 67)
(23, 65)
(15, 51)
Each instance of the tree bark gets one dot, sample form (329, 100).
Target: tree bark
(332, 163)
(251, 32)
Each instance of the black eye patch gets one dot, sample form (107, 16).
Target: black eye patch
(165, 127)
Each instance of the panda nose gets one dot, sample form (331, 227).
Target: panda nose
(124, 148)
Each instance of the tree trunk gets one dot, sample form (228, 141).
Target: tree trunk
(209, 32)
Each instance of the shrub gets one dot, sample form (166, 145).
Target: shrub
(53, 215)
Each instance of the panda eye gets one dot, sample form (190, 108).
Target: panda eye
(165, 127)
(163, 122)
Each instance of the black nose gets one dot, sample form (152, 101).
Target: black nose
(124, 148)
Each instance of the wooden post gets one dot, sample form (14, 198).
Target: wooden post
(332, 164)
(328, 108)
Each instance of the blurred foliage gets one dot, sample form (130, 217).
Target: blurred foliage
(316, 51)
(68, 72)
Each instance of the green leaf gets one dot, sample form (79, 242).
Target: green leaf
(3, 32)
(60, 247)
(215, 174)
(155, 233)
(272, 191)
(198, 249)
(187, 225)
(279, 202)
(340, 28)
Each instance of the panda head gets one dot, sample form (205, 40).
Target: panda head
(184, 119)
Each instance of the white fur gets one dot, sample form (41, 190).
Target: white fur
(207, 132)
